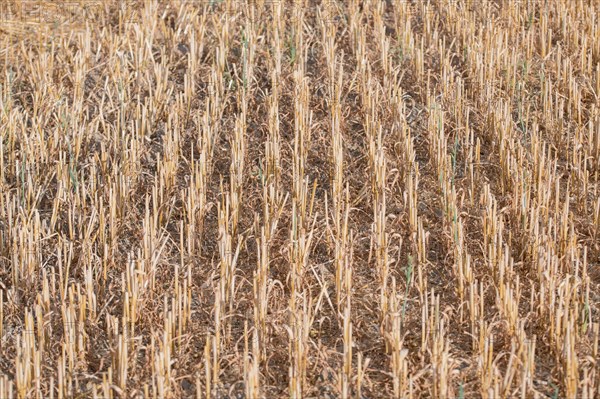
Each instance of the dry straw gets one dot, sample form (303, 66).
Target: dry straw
(289, 199)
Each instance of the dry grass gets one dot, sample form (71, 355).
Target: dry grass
(353, 199)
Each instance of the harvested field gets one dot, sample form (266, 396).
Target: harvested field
(304, 199)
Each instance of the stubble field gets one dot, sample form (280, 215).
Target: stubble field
(268, 199)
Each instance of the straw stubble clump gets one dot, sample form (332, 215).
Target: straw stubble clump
(358, 199)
